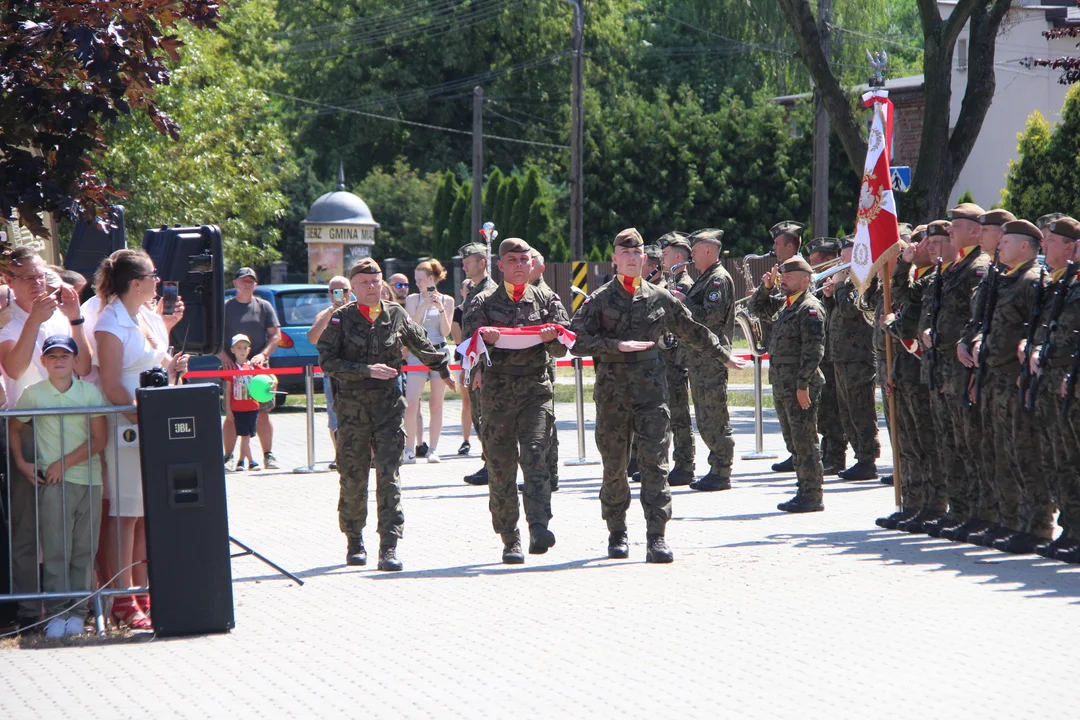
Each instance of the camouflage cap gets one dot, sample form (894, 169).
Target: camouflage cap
(1066, 227)
(1045, 220)
(796, 264)
(966, 211)
(706, 235)
(473, 248)
(513, 245)
(789, 227)
(938, 228)
(629, 238)
(1022, 227)
(996, 217)
(848, 241)
(674, 239)
(827, 245)
(905, 230)
(365, 266)
(654, 252)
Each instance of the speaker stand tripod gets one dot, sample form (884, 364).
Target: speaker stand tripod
(263, 558)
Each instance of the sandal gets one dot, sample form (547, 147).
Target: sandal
(144, 603)
(127, 613)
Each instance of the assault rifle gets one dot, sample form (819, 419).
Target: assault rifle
(1026, 402)
(989, 303)
(935, 311)
(1061, 292)
(1070, 379)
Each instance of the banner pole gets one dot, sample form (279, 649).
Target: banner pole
(890, 398)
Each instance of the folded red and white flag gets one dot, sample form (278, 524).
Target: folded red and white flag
(517, 338)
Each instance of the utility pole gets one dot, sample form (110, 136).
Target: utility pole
(577, 130)
(821, 133)
(477, 162)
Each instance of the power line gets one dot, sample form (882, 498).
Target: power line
(413, 122)
(408, 12)
(875, 37)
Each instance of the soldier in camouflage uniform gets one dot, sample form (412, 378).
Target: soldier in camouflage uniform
(653, 272)
(1057, 334)
(833, 440)
(474, 261)
(675, 250)
(515, 396)
(536, 277)
(361, 353)
(851, 347)
(711, 301)
(920, 464)
(1024, 507)
(796, 346)
(619, 325)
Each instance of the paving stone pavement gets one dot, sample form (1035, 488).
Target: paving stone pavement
(762, 615)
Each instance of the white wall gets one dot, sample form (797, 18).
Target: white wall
(1019, 92)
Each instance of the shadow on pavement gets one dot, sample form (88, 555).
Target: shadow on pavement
(1029, 574)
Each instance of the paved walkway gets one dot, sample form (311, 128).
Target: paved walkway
(762, 615)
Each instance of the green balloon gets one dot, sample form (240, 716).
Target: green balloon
(261, 388)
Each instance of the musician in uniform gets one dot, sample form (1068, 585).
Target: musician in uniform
(474, 261)
(823, 251)
(536, 278)
(675, 251)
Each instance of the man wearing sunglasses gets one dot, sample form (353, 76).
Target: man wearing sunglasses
(399, 286)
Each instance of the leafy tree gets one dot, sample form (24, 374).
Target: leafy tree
(506, 212)
(530, 192)
(537, 225)
(944, 149)
(465, 229)
(1046, 176)
(444, 203)
(228, 166)
(400, 201)
(69, 69)
(459, 215)
(491, 192)
(967, 197)
(559, 250)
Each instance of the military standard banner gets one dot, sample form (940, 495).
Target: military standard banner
(877, 233)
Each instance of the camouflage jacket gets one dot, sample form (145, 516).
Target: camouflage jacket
(797, 341)
(494, 308)
(959, 285)
(711, 302)
(1062, 333)
(486, 284)
(910, 285)
(350, 345)
(670, 351)
(1017, 293)
(850, 337)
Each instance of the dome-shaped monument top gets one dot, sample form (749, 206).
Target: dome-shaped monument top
(339, 229)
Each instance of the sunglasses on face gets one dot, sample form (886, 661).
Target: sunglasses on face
(401, 286)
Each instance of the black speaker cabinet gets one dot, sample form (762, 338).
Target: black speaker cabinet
(187, 525)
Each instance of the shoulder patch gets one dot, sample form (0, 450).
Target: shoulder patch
(714, 296)
(335, 320)
(717, 283)
(587, 300)
(475, 300)
(812, 311)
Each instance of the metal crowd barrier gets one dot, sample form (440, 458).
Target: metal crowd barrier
(25, 552)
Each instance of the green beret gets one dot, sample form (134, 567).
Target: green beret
(1022, 227)
(513, 245)
(966, 211)
(1066, 227)
(366, 266)
(938, 228)
(996, 217)
(796, 264)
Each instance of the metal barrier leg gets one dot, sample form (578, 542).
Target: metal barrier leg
(759, 420)
(309, 391)
(579, 385)
(99, 615)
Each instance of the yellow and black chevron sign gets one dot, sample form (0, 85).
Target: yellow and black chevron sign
(580, 280)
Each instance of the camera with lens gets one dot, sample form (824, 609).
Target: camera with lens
(153, 378)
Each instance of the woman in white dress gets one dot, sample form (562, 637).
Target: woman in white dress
(130, 338)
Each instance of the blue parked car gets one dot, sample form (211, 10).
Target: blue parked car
(296, 306)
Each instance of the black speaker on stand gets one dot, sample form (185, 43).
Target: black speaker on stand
(187, 526)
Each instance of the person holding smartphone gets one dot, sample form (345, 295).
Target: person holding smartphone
(340, 293)
(435, 312)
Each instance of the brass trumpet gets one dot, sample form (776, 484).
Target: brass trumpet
(817, 280)
(674, 269)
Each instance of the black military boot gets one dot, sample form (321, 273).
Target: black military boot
(554, 480)
(658, 550)
(946, 532)
(512, 554)
(388, 560)
(1050, 548)
(618, 547)
(540, 539)
(887, 480)
(785, 466)
(801, 504)
(914, 523)
(991, 536)
(831, 468)
(890, 522)
(1068, 553)
(356, 554)
(480, 477)
(636, 477)
(677, 478)
(933, 527)
(860, 471)
(711, 483)
(1022, 543)
(965, 531)
(632, 467)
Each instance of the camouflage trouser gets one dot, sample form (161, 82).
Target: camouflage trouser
(858, 411)
(965, 486)
(935, 493)
(370, 420)
(708, 384)
(883, 379)
(1022, 505)
(682, 427)
(833, 440)
(516, 430)
(1068, 455)
(1027, 451)
(553, 434)
(626, 413)
(920, 461)
(800, 434)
